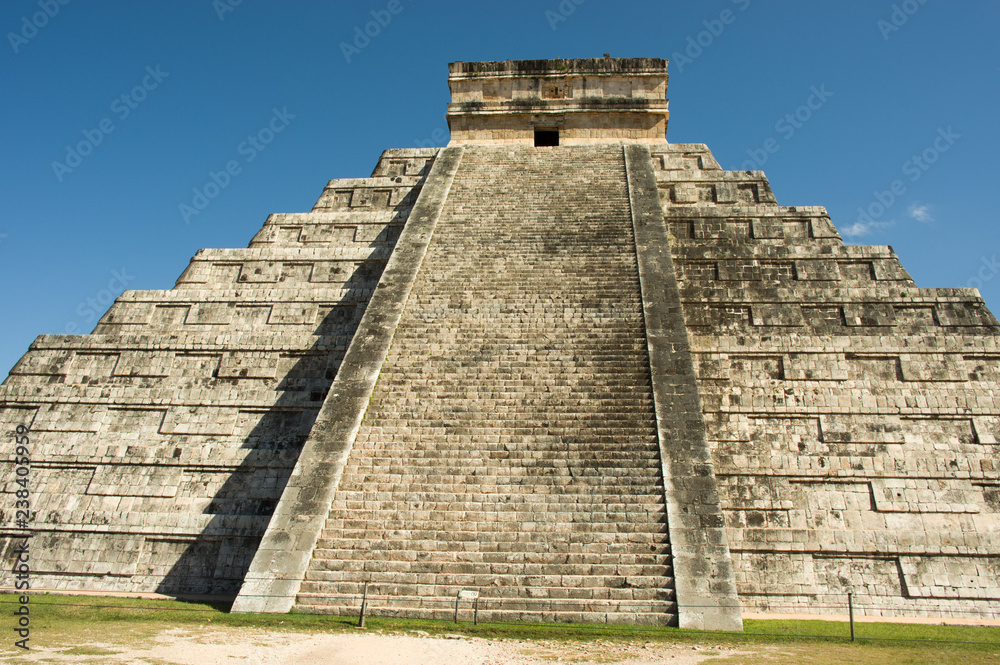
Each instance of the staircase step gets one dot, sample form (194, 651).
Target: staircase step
(510, 444)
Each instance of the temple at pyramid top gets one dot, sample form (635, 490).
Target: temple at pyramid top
(558, 102)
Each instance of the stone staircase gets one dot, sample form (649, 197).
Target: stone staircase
(510, 445)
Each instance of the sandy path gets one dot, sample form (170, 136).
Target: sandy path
(235, 646)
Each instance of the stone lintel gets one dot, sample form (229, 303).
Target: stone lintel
(280, 563)
(703, 570)
(559, 66)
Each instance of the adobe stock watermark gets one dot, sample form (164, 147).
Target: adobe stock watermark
(92, 308)
(697, 44)
(900, 16)
(562, 12)
(20, 544)
(363, 35)
(914, 168)
(253, 145)
(223, 7)
(30, 25)
(787, 126)
(437, 138)
(122, 106)
(987, 271)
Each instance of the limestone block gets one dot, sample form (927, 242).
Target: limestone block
(753, 194)
(776, 315)
(132, 422)
(874, 367)
(879, 429)
(210, 313)
(676, 162)
(986, 429)
(868, 313)
(916, 316)
(797, 230)
(248, 365)
(857, 272)
(767, 228)
(922, 495)
(144, 363)
(259, 272)
(683, 193)
(11, 416)
(964, 314)
(748, 370)
(933, 367)
(162, 316)
(890, 270)
(248, 318)
(726, 192)
(817, 270)
(69, 418)
(192, 365)
(812, 367)
(951, 577)
(204, 420)
(283, 314)
(93, 364)
(822, 227)
(824, 316)
(131, 481)
(48, 362)
(80, 554)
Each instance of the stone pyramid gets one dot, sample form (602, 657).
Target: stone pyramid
(560, 362)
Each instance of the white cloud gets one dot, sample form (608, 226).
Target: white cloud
(921, 213)
(862, 229)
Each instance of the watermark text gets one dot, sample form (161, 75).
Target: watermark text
(122, 107)
(90, 309)
(21, 566)
(363, 35)
(787, 126)
(698, 43)
(562, 12)
(900, 16)
(248, 149)
(223, 7)
(913, 169)
(30, 25)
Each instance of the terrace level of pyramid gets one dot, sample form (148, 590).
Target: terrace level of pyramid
(561, 362)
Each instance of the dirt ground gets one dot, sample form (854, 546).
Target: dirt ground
(233, 646)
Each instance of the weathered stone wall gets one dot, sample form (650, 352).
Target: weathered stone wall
(597, 100)
(574, 129)
(162, 442)
(853, 416)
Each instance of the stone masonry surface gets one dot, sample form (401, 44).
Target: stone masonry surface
(162, 442)
(853, 417)
(605, 381)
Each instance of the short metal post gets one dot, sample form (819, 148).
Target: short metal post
(364, 606)
(475, 613)
(457, 598)
(850, 609)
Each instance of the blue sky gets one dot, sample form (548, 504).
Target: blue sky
(162, 94)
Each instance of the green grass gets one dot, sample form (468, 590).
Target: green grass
(71, 621)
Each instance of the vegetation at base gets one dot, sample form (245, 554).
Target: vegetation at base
(63, 619)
